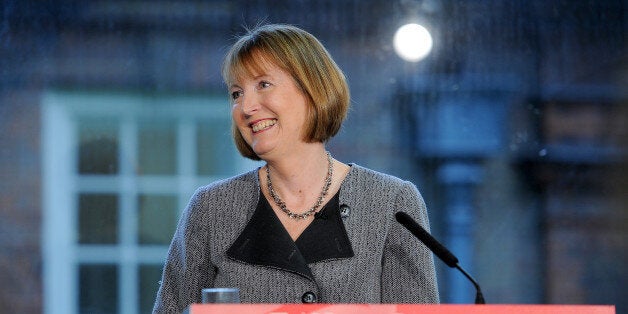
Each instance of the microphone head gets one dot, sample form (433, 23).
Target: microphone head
(427, 239)
(403, 218)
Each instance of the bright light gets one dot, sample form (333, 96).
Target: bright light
(412, 42)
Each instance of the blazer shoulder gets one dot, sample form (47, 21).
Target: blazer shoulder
(363, 185)
(240, 190)
(362, 175)
(247, 180)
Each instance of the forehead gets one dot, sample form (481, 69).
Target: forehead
(251, 65)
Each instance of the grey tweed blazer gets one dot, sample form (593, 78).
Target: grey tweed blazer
(388, 264)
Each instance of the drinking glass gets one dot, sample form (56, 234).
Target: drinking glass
(220, 295)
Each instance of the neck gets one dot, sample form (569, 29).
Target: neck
(301, 171)
(302, 195)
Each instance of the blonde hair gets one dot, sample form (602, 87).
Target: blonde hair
(301, 55)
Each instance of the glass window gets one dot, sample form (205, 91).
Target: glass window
(214, 146)
(157, 147)
(99, 289)
(98, 219)
(150, 275)
(98, 147)
(157, 218)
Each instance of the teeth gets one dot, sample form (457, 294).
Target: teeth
(263, 125)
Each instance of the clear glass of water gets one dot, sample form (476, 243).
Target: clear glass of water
(220, 295)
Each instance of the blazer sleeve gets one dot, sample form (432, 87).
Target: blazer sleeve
(186, 270)
(408, 273)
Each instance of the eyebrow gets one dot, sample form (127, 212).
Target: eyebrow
(261, 76)
(257, 77)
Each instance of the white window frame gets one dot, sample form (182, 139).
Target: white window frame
(62, 254)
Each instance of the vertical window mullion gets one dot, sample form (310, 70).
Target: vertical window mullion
(60, 276)
(128, 280)
(186, 156)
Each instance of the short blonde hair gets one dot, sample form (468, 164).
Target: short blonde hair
(301, 55)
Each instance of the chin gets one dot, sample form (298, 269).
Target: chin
(260, 152)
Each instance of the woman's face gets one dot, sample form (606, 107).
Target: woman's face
(270, 111)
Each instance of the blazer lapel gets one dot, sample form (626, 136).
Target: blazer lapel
(265, 242)
(326, 238)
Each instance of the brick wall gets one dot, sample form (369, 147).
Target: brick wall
(20, 203)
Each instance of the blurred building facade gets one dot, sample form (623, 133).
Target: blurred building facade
(514, 130)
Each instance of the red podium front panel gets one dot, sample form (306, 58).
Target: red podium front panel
(397, 309)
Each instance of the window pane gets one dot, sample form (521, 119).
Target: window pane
(157, 147)
(149, 284)
(98, 147)
(215, 148)
(98, 218)
(98, 292)
(157, 218)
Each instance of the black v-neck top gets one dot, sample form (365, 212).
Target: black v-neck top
(265, 242)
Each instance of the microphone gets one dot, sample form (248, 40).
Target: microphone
(442, 252)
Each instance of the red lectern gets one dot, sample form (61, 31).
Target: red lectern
(397, 309)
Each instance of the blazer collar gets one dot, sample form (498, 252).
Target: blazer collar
(265, 242)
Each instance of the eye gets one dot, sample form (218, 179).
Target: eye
(236, 94)
(263, 84)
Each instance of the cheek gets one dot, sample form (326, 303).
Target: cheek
(236, 115)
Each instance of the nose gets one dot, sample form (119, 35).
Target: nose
(249, 103)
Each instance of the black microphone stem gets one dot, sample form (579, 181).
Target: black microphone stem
(438, 249)
(479, 298)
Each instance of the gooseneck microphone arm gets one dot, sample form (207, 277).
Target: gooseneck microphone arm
(479, 298)
(438, 249)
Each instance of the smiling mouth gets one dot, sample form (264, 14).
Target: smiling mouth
(263, 125)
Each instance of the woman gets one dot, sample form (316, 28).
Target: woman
(304, 227)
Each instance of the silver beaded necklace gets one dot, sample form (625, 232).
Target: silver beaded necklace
(319, 201)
